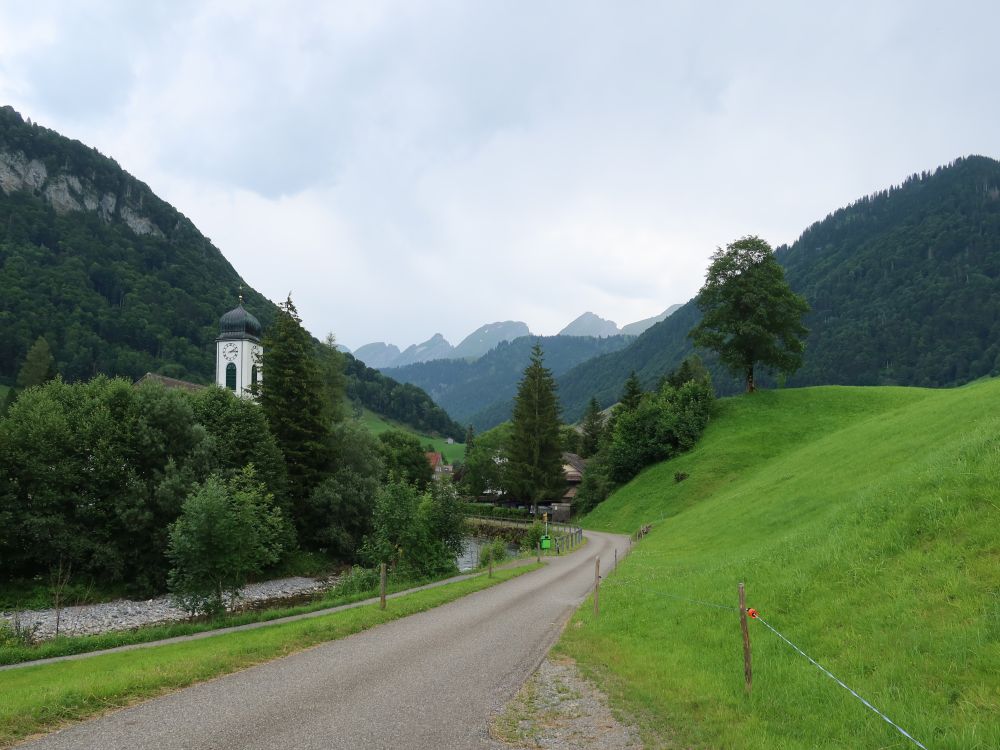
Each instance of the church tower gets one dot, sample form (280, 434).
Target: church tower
(238, 351)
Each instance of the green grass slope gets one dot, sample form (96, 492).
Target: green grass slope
(866, 525)
(377, 424)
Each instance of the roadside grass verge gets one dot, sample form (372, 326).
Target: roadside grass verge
(68, 645)
(866, 525)
(40, 698)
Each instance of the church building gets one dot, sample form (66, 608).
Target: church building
(238, 351)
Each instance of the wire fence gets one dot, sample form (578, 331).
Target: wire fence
(755, 615)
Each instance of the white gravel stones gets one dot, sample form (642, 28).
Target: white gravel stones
(557, 709)
(125, 614)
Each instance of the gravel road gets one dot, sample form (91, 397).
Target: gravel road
(432, 680)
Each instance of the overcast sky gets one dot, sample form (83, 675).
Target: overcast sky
(418, 167)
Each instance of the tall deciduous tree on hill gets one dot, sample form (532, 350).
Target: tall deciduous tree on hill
(535, 449)
(294, 398)
(750, 314)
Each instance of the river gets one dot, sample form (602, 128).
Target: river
(469, 559)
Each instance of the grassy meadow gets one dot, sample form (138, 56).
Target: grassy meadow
(377, 425)
(865, 523)
(39, 698)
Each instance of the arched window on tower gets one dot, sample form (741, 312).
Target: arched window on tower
(231, 376)
(253, 375)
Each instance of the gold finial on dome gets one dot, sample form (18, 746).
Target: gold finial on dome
(241, 294)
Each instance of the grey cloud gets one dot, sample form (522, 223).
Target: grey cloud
(608, 148)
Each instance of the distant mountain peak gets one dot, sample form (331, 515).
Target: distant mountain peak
(590, 324)
(377, 354)
(486, 338)
(640, 326)
(436, 347)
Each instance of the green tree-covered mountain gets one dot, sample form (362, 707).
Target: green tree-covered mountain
(117, 281)
(904, 287)
(465, 388)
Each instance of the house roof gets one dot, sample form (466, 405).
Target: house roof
(434, 458)
(573, 467)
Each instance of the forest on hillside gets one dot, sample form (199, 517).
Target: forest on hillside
(463, 387)
(904, 287)
(108, 300)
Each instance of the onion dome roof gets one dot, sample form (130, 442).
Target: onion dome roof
(239, 324)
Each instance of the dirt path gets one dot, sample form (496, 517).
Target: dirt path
(557, 709)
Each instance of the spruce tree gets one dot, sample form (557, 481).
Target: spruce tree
(632, 394)
(593, 429)
(534, 449)
(39, 365)
(334, 378)
(293, 396)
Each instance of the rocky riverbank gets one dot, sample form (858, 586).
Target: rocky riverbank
(125, 614)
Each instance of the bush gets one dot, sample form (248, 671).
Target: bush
(227, 532)
(595, 487)
(357, 580)
(533, 537)
(662, 425)
(14, 633)
(418, 534)
(496, 550)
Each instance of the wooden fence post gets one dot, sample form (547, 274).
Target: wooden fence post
(491, 560)
(616, 558)
(597, 586)
(381, 587)
(538, 551)
(747, 667)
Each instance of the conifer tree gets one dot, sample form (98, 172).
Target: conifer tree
(535, 450)
(334, 377)
(632, 394)
(39, 365)
(593, 428)
(293, 396)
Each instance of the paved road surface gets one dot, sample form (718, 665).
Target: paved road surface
(430, 681)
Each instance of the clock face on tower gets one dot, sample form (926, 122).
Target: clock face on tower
(230, 351)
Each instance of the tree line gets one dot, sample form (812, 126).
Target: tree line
(523, 459)
(106, 300)
(144, 487)
(903, 288)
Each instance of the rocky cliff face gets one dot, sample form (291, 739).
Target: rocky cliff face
(69, 192)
